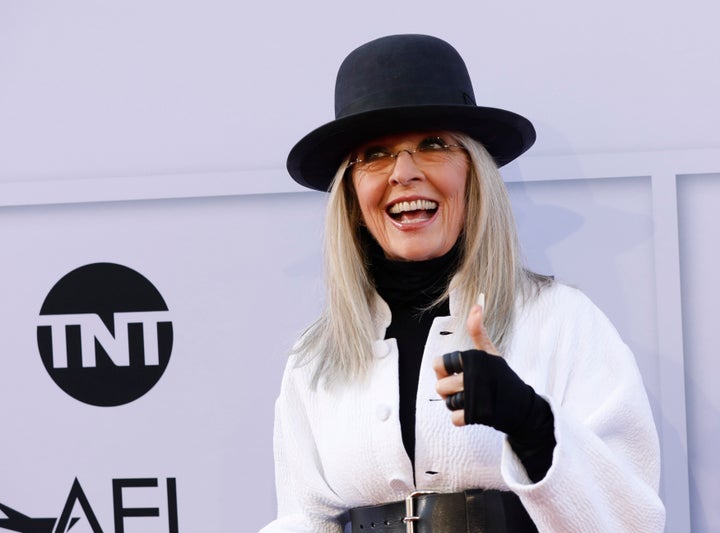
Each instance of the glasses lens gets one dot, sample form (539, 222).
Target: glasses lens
(433, 156)
(430, 151)
(379, 164)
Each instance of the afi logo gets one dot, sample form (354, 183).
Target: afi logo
(104, 334)
(17, 521)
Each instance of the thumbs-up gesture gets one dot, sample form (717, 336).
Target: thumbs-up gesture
(449, 367)
(479, 387)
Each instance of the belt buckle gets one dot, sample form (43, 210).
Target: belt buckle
(410, 517)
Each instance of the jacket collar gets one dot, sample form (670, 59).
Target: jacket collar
(381, 316)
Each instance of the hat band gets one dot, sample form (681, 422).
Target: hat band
(405, 97)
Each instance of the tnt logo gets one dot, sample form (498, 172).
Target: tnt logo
(104, 334)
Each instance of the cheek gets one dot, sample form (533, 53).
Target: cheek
(369, 197)
(457, 216)
(456, 193)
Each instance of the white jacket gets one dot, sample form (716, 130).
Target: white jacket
(339, 449)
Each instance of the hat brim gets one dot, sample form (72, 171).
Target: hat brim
(314, 160)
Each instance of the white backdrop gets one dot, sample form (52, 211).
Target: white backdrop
(153, 135)
(236, 299)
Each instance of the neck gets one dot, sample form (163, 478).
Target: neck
(421, 283)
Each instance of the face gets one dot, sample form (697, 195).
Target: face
(414, 205)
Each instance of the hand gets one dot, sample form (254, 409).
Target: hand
(449, 384)
(495, 396)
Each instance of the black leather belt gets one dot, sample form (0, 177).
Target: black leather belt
(472, 511)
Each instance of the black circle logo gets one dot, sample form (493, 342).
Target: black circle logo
(104, 334)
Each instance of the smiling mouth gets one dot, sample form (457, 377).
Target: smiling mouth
(414, 211)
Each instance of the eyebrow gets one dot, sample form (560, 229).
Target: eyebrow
(445, 137)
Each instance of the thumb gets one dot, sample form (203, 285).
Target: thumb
(478, 333)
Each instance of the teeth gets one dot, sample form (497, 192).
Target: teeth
(415, 205)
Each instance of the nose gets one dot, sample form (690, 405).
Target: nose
(405, 170)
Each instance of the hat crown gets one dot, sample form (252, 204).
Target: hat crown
(399, 71)
(399, 84)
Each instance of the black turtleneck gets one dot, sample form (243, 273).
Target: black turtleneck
(410, 288)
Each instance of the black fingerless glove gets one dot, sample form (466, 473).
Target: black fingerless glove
(496, 396)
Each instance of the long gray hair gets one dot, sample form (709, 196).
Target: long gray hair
(339, 343)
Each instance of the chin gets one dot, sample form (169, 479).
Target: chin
(416, 254)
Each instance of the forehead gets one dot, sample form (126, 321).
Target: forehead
(412, 137)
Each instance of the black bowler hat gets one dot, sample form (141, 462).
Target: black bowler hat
(403, 83)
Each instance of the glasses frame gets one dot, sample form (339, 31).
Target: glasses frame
(392, 157)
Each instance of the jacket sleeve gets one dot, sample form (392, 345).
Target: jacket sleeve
(305, 501)
(606, 468)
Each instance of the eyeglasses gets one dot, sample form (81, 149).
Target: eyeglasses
(429, 151)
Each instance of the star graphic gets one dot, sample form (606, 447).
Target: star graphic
(16, 521)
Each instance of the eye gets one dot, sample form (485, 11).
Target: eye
(374, 153)
(431, 143)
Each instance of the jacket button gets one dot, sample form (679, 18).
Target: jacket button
(383, 412)
(398, 485)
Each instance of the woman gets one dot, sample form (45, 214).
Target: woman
(439, 364)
